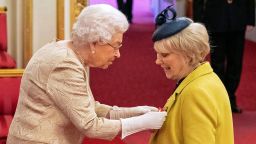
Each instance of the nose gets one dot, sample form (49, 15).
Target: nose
(117, 53)
(158, 61)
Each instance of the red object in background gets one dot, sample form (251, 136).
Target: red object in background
(5, 122)
(3, 30)
(9, 93)
(117, 140)
(6, 61)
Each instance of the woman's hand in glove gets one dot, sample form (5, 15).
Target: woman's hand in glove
(126, 112)
(150, 120)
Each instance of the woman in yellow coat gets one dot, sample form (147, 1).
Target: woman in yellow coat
(198, 111)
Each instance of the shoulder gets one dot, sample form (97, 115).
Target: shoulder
(53, 58)
(53, 53)
(207, 86)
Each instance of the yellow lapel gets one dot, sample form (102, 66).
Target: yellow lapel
(203, 69)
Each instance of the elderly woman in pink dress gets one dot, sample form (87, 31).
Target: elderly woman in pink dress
(56, 105)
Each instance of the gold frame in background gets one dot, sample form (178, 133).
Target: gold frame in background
(11, 72)
(27, 30)
(60, 20)
(76, 6)
(3, 9)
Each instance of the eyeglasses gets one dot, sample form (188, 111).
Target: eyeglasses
(114, 47)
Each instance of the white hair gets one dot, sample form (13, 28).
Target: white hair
(98, 23)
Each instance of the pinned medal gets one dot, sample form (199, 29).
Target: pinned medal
(161, 109)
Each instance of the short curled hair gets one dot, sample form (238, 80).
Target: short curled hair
(192, 42)
(98, 23)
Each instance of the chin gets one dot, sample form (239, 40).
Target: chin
(169, 76)
(105, 67)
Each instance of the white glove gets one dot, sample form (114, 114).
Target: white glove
(150, 120)
(122, 112)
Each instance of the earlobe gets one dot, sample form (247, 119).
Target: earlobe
(92, 48)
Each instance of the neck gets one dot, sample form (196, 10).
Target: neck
(188, 71)
(81, 53)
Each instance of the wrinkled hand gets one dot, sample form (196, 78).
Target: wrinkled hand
(150, 120)
(118, 113)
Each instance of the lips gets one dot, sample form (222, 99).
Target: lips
(166, 68)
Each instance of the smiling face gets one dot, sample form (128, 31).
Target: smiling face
(181, 53)
(174, 64)
(104, 53)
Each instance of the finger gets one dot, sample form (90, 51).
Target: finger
(151, 108)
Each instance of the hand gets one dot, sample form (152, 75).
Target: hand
(150, 120)
(118, 113)
(139, 110)
(153, 120)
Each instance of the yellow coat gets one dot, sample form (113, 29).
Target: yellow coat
(198, 112)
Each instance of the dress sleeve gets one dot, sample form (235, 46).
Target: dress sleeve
(68, 90)
(101, 109)
(199, 118)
